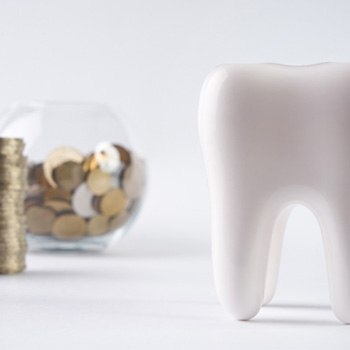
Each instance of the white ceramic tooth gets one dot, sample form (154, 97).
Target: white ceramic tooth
(274, 136)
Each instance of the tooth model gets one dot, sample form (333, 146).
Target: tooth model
(274, 136)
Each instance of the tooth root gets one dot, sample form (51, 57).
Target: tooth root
(240, 243)
(240, 251)
(337, 250)
(275, 254)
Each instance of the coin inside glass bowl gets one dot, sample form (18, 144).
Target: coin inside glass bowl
(71, 198)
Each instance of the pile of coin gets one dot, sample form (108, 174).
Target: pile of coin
(72, 196)
(13, 180)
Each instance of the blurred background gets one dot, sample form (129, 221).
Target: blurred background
(147, 60)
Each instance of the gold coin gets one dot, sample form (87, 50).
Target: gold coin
(7, 161)
(12, 266)
(57, 194)
(57, 157)
(9, 164)
(12, 248)
(12, 156)
(12, 205)
(13, 170)
(12, 257)
(17, 241)
(12, 236)
(9, 158)
(12, 254)
(15, 207)
(69, 226)
(119, 220)
(99, 182)
(6, 147)
(17, 222)
(12, 188)
(82, 201)
(7, 248)
(69, 175)
(11, 233)
(9, 254)
(14, 194)
(12, 269)
(12, 251)
(98, 225)
(12, 260)
(40, 219)
(58, 205)
(12, 181)
(15, 141)
(11, 149)
(113, 202)
(14, 244)
(133, 181)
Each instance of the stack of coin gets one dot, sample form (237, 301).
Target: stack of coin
(13, 180)
(73, 196)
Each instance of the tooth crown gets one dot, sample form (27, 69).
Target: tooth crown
(274, 136)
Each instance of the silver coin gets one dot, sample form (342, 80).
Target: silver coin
(82, 201)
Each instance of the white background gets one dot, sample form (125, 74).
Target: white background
(147, 60)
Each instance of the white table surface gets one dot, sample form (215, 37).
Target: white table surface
(148, 294)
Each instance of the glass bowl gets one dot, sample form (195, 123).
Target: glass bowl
(85, 181)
